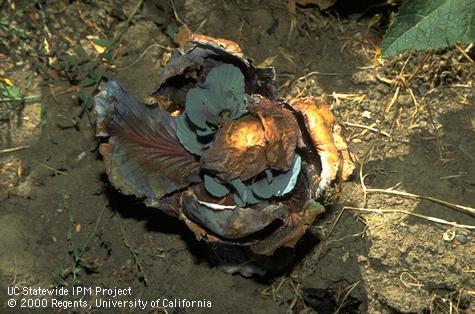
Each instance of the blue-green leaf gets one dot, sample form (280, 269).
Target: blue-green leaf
(215, 187)
(244, 194)
(226, 80)
(201, 105)
(269, 175)
(222, 95)
(284, 183)
(263, 188)
(187, 136)
(278, 185)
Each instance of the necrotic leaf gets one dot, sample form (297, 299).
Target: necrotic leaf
(145, 157)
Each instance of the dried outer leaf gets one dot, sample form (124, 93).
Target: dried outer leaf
(170, 204)
(230, 222)
(200, 232)
(281, 131)
(319, 123)
(143, 156)
(237, 150)
(291, 231)
(227, 45)
(348, 166)
(204, 52)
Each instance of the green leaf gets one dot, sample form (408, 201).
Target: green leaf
(263, 188)
(88, 81)
(187, 137)
(106, 43)
(430, 24)
(11, 92)
(215, 187)
(72, 59)
(80, 52)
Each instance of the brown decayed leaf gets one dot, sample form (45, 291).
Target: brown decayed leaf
(348, 166)
(230, 222)
(319, 123)
(105, 149)
(237, 150)
(291, 231)
(227, 45)
(281, 131)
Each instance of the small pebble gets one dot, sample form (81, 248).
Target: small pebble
(366, 115)
(81, 156)
(462, 238)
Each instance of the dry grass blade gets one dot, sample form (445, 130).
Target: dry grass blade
(366, 128)
(13, 149)
(143, 55)
(350, 288)
(400, 211)
(56, 171)
(465, 209)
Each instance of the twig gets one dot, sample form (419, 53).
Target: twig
(143, 54)
(367, 128)
(177, 17)
(13, 149)
(393, 100)
(465, 54)
(400, 211)
(134, 11)
(37, 97)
